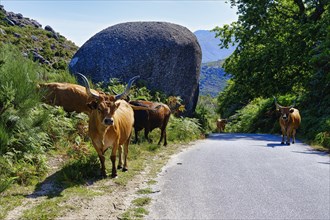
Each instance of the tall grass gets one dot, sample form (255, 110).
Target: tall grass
(27, 129)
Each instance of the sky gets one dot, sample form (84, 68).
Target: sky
(79, 20)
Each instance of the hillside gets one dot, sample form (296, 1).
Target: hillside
(40, 44)
(213, 79)
(210, 46)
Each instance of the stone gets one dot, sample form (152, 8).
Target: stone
(50, 29)
(167, 57)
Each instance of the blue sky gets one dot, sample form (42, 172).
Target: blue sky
(80, 20)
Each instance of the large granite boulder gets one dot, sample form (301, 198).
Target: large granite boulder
(166, 56)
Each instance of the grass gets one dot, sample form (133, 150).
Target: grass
(144, 191)
(141, 201)
(70, 184)
(33, 136)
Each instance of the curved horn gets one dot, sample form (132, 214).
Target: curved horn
(88, 88)
(277, 105)
(128, 87)
(293, 105)
(114, 92)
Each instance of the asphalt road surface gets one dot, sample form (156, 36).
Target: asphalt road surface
(243, 176)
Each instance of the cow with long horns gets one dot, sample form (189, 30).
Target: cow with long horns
(289, 121)
(110, 124)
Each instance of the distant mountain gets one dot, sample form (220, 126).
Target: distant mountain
(210, 46)
(213, 79)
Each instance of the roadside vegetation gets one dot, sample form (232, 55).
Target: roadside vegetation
(41, 143)
(285, 55)
(282, 51)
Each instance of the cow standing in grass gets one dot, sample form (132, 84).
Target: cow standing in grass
(157, 116)
(289, 121)
(110, 124)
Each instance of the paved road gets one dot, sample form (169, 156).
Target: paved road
(244, 176)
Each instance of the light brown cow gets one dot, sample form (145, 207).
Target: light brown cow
(221, 124)
(71, 97)
(110, 124)
(289, 121)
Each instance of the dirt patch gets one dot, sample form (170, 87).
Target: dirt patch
(109, 205)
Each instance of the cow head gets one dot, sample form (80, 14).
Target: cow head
(105, 105)
(105, 111)
(284, 110)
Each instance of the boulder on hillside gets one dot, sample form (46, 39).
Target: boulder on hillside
(167, 57)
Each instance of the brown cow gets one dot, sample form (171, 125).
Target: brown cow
(289, 121)
(221, 124)
(71, 97)
(157, 116)
(110, 124)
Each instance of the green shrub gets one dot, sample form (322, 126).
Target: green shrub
(258, 116)
(183, 129)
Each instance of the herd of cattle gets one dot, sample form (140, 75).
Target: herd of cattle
(112, 117)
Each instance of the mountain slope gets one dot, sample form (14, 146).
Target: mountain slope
(40, 44)
(213, 79)
(210, 47)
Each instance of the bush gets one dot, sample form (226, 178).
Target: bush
(258, 116)
(183, 129)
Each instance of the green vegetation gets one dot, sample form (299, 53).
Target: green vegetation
(283, 51)
(35, 136)
(29, 39)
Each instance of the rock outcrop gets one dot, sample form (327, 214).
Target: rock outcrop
(166, 56)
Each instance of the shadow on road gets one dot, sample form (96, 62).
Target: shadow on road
(312, 151)
(237, 136)
(272, 145)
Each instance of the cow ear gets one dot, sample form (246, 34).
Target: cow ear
(291, 110)
(117, 104)
(92, 105)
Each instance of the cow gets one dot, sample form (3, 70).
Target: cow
(289, 121)
(221, 124)
(157, 116)
(110, 123)
(71, 97)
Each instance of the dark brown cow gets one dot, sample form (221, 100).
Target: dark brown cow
(221, 124)
(289, 121)
(157, 116)
(110, 124)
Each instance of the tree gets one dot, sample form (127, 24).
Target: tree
(275, 40)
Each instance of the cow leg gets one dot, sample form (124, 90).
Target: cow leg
(293, 136)
(120, 162)
(165, 139)
(125, 168)
(146, 135)
(136, 136)
(161, 136)
(164, 129)
(101, 157)
(288, 136)
(113, 160)
(283, 135)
